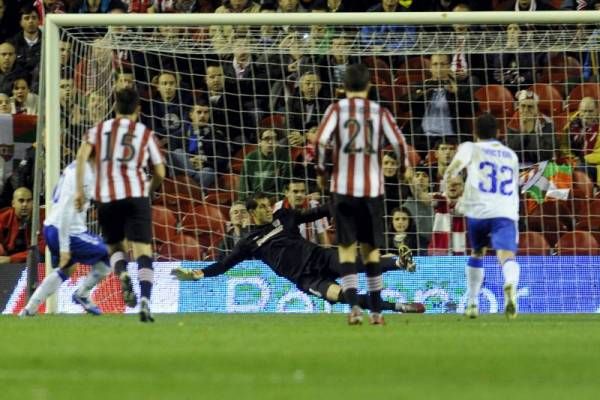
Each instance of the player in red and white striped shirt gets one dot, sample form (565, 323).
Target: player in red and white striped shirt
(121, 149)
(356, 128)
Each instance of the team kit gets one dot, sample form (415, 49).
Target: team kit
(111, 169)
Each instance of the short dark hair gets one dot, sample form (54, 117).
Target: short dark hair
(356, 78)
(28, 9)
(127, 101)
(252, 201)
(486, 126)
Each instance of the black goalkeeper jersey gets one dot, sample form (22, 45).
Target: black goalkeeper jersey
(278, 244)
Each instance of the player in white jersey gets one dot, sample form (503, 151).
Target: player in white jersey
(70, 243)
(491, 204)
(122, 149)
(355, 128)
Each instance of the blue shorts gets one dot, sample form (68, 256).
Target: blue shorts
(86, 248)
(500, 233)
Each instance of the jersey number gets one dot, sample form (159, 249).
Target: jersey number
(494, 173)
(353, 127)
(129, 149)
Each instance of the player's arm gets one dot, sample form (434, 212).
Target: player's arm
(460, 161)
(83, 155)
(395, 137)
(239, 253)
(158, 163)
(311, 214)
(324, 134)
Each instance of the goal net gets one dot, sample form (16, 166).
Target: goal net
(236, 108)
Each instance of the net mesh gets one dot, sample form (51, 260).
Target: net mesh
(212, 94)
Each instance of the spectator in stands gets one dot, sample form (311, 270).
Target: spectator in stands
(238, 220)
(266, 169)
(65, 58)
(124, 80)
(224, 105)
(419, 205)
(268, 33)
(444, 153)
(531, 5)
(579, 144)
(580, 134)
(22, 100)
(449, 233)
(15, 227)
(389, 37)
(393, 187)
(290, 6)
(296, 198)
(54, 7)
(338, 6)
(4, 104)
(28, 43)
(531, 133)
(468, 68)
(337, 61)
(9, 69)
(401, 232)
(167, 111)
(440, 108)
(94, 110)
(512, 68)
(226, 33)
(202, 151)
(95, 6)
(8, 20)
(308, 104)
(66, 105)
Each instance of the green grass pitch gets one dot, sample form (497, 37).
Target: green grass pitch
(208, 356)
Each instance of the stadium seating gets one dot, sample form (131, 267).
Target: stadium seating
(179, 194)
(581, 91)
(577, 243)
(181, 247)
(533, 243)
(551, 101)
(164, 224)
(206, 223)
(560, 69)
(414, 70)
(497, 100)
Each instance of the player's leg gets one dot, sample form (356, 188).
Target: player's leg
(477, 231)
(53, 280)
(138, 231)
(370, 235)
(505, 238)
(89, 249)
(344, 214)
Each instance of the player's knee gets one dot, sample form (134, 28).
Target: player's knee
(333, 293)
(505, 255)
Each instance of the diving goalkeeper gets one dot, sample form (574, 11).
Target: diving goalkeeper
(276, 240)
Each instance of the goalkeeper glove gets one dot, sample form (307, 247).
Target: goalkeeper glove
(187, 274)
(405, 260)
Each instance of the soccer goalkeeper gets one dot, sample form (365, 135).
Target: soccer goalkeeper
(276, 241)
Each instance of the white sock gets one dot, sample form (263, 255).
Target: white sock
(49, 285)
(511, 271)
(474, 282)
(98, 272)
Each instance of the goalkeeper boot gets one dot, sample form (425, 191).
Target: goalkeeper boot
(510, 301)
(145, 315)
(356, 316)
(411, 308)
(87, 304)
(127, 290)
(472, 311)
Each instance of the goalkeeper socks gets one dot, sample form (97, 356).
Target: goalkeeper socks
(364, 301)
(145, 276)
(49, 285)
(98, 272)
(475, 273)
(511, 272)
(118, 263)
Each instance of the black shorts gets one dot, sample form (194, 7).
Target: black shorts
(358, 219)
(321, 272)
(129, 219)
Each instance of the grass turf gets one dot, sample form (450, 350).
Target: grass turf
(208, 356)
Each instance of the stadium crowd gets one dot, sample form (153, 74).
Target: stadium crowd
(234, 122)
